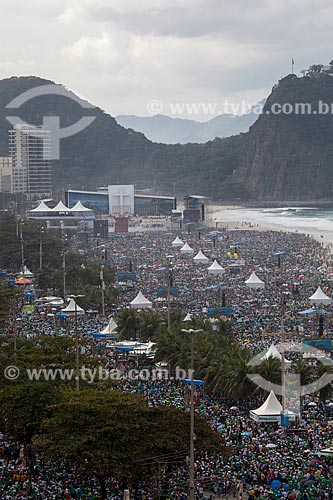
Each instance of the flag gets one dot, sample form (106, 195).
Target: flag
(292, 61)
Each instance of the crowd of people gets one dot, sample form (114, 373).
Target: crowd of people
(264, 461)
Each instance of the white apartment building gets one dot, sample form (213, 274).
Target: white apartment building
(6, 171)
(30, 151)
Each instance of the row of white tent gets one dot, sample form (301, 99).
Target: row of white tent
(319, 297)
(60, 207)
(141, 302)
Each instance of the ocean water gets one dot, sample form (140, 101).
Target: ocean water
(317, 222)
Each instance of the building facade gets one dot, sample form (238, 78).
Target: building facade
(122, 200)
(30, 151)
(6, 174)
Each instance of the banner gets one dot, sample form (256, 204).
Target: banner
(217, 312)
(126, 277)
(163, 292)
(322, 345)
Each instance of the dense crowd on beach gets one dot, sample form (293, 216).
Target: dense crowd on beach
(264, 461)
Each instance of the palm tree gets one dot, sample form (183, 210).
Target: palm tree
(128, 324)
(232, 377)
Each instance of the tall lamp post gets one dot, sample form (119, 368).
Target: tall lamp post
(102, 290)
(192, 484)
(77, 353)
(22, 244)
(41, 248)
(64, 265)
(169, 288)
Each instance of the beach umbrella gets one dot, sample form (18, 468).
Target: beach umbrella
(319, 297)
(254, 282)
(270, 445)
(186, 249)
(234, 408)
(275, 484)
(215, 268)
(312, 403)
(188, 317)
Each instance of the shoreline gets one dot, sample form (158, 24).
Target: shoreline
(251, 225)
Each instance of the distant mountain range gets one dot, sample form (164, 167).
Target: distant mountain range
(162, 128)
(284, 156)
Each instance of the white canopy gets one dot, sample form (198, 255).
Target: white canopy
(215, 268)
(270, 410)
(60, 208)
(188, 317)
(186, 249)
(200, 258)
(319, 297)
(72, 307)
(254, 282)
(42, 207)
(78, 207)
(177, 242)
(26, 273)
(274, 353)
(110, 327)
(141, 302)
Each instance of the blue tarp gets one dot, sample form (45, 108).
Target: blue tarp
(195, 382)
(124, 348)
(307, 311)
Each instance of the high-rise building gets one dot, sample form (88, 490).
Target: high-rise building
(6, 174)
(30, 150)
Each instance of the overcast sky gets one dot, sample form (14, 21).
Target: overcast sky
(123, 54)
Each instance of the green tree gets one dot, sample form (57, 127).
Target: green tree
(101, 434)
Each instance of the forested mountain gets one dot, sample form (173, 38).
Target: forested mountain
(286, 156)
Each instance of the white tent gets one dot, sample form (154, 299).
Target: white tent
(186, 249)
(42, 207)
(60, 208)
(110, 327)
(72, 307)
(141, 302)
(78, 207)
(215, 268)
(147, 348)
(200, 258)
(254, 282)
(177, 242)
(188, 317)
(319, 297)
(26, 273)
(274, 353)
(270, 410)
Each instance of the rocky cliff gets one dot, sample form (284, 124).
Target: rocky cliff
(288, 152)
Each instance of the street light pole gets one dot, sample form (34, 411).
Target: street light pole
(77, 353)
(169, 289)
(22, 245)
(102, 291)
(191, 469)
(41, 249)
(192, 486)
(64, 266)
